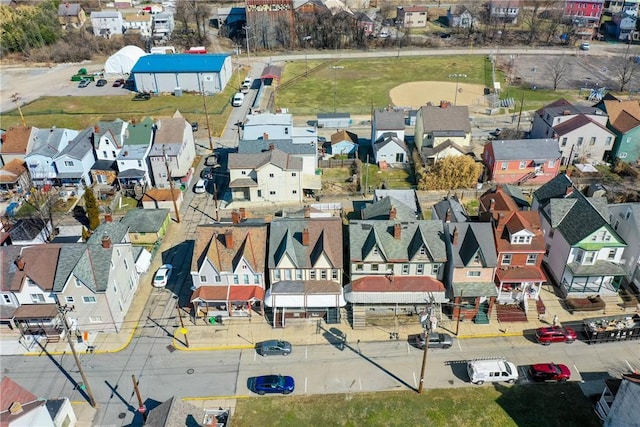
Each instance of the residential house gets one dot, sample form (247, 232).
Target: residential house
(73, 164)
(14, 177)
(625, 220)
(449, 210)
(104, 173)
(305, 265)
(307, 152)
(108, 138)
(471, 269)
(107, 23)
(396, 268)
(47, 144)
(30, 231)
(138, 23)
(406, 197)
(342, 143)
(520, 248)
(17, 142)
(412, 16)
(531, 161)
(228, 269)
(624, 121)
(313, 7)
(437, 124)
(270, 176)
(388, 208)
(583, 251)
(504, 11)
(461, 18)
(387, 122)
(163, 25)
(366, 23)
(146, 226)
(173, 152)
(175, 412)
(19, 407)
(584, 16)
(71, 15)
(391, 150)
(617, 405)
(163, 198)
(132, 160)
(432, 155)
(277, 126)
(623, 24)
(581, 131)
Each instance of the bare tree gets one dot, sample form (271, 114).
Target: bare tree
(558, 71)
(43, 200)
(624, 69)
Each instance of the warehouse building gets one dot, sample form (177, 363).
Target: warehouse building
(182, 73)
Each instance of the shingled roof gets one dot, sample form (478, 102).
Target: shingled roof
(275, 157)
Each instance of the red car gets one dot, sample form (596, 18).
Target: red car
(549, 372)
(118, 83)
(549, 334)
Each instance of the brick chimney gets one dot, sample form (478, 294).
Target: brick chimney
(397, 231)
(305, 237)
(108, 218)
(447, 217)
(243, 213)
(444, 104)
(271, 146)
(20, 263)
(454, 239)
(106, 241)
(96, 129)
(265, 136)
(235, 217)
(307, 211)
(228, 239)
(492, 205)
(393, 213)
(568, 190)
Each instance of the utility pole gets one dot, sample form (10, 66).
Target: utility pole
(182, 328)
(16, 98)
(427, 330)
(459, 310)
(206, 117)
(142, 409)
(85, 383)
(246, 36)
(173, 199)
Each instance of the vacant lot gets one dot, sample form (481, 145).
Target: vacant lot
(536, 405)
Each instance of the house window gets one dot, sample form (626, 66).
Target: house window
(627, 214)
(504, 165)
(286, 131)
(95, 319)
(139, 163)
(435, 269)
(423, 250)
(287, 274)
(245, 279)
(256, 279)
(506, 259)
(111, 262)
(113, 153)
(552, 163)
(126, 265)
(218, 279)
(104, 154)
(7, 298)
(270, 175)
(589, 257)
(276, 274)
(473, 273)
(405, 268)
(89, 300)
(374, 267)
(115, 287)
(68, 163)
(551, 233)
(294, 174)
(118, 252)
(69, 300)
(236, 280)
(580, 141)
(612, 254)
(399, 157)
(420, 269)
(375, 250)
(294, 192)
(243, 172)
(579, 256)
(359, 267)
(623, 155)
(592, 141)
(323, 274)
(259, 193)
(203, 279)
(298, 274)
(312, 275)
(532, 259)
(607, 141)
(272, 193)
(36, 298)
(564, 142)
(334, 274)
(523, 164)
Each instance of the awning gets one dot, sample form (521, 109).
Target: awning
(312, 182)
(69, 175)
(243, 183)
(36, 311)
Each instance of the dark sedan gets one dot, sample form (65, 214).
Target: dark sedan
(549, 372)
(272, 384)
(207, 173)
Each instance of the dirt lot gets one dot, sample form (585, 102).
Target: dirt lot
(417, 94)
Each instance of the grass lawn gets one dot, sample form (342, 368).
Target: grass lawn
(536, 405)
(363, 84)
(335, 179)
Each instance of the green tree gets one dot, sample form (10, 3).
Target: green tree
(28, 27)
(91, 206)
(451, 173)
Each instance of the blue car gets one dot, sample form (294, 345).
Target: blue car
(272, 384)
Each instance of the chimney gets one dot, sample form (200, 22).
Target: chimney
(106, 241)
(235, 217)
(20, 263)
(272, 147)
(265, 136)
(566, 112)
(392, 213)
(397, 231)
(447, 217)
(243, 213)
(444, 104)
(108, 218)
(569, 190)
(305, 237)
(228, 239)
(492, 205)
(307, 211)
(96, 129)
(455, 236)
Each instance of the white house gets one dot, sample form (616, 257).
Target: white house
(47, 144)
(625, 219)
(138, 23)
(268, 126)
(73, 164)
(387, 121)
(174, 147)
(391, 150)
(108, 138)
(107, 23)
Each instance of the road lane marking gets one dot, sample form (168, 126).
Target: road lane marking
(578, 371)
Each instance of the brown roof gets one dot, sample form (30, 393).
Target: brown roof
(13, 392)
(512, 222)
(16, 140)
(526, 273)
(36, 311)
(40, 264)
(397, 284)
(160, 195)
(344, 135)
(576, 123)
(625, 122)
(249, 242)
(231, 293)
(557, 103)
(615, 107)
(12, 171)
(170, 131)
(502, 201)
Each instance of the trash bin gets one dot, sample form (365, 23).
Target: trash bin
(219, 320)
(211, 320)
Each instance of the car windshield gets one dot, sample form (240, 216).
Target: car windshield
(159, 276)
(507, 368)
(554, 368)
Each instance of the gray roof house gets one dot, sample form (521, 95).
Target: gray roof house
(387, 121)
(390, 149)
(47, 144)
(408, 197)
(449, 210)
(75, 161)
(173, 147)
(306, 151)
(146, 226)
(30, 231)
(388, 208)
(437, 124)
(625, 219)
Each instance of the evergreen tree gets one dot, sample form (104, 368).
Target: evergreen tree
(91, 207)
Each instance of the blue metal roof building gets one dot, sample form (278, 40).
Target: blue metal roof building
(179, 73)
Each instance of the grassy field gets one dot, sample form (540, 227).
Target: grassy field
(334, 180)
(536, 405)
(361, 85)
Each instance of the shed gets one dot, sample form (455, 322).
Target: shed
(271, 72)
(334, 120)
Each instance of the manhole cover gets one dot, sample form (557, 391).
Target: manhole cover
(171, 348)
(121, 415)
(190, 371)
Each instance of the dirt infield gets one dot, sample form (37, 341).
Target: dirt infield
(417, 94)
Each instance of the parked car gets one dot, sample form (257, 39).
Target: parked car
(194, 126)
(491, 370)
(585, 46)
(207, 173)
(549, 334)
(200, 187)
(549, 372)
(272, 384)
(274, 347)
(436, 340)
(247, 81)
(101, 82)
(238, 99)
(162, 276)
(118, 83)
(211, 160)
(142, 96)
(84, 83)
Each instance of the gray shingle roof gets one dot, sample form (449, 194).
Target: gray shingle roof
(364, 235)
(450, 204)
(117, 231)
(70, 254)
(391, 139)
(254, 146)
(556, 187)
(26, 229)
(80, 146)
(115, 127)
(526, 149)
(474, 238)
(452, 118)
(145, 220)
(388, 120)
(380, 209)
(408, 197)
(255, 161)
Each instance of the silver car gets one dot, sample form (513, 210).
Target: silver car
(274, 347)
(436, 340)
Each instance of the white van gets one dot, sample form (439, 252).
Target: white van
(492, 370)
(238, 99)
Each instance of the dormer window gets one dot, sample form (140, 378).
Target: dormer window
(423, 250)
(520, 240)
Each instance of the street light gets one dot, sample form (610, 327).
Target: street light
(246, 29)
(306, 61)
(457, 77)
(335, 85)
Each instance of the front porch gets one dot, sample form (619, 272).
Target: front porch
(227, 301)
(600, 278)
(41, 320)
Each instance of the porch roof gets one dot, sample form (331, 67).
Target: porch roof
(243, 182)
(36, 311)
(306, 287)
(235, 293)
(408, 297)
(528, 273)
(599, 268)
(474, 289)
(70, 175)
